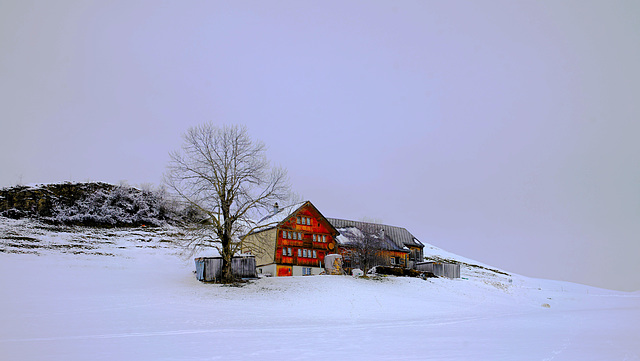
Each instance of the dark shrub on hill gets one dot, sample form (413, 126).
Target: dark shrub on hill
(402, 272)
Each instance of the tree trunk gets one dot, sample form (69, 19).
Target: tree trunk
(227, 273)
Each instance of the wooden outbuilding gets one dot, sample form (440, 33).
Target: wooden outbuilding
(209, 269)
(440, 269)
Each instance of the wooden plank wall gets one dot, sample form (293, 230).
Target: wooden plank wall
(448, 270)
(209, 269)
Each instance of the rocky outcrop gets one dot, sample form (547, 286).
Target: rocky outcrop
(41, 200)
(89, 204)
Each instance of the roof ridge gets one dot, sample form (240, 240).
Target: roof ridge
(382, 224)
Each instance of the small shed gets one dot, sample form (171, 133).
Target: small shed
(440, 269)
(209, 269)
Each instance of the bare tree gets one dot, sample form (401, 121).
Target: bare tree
(366, 242)
(224, 174)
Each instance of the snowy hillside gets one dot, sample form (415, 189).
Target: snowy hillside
(113, 294)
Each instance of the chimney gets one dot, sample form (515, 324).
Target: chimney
(275, 208)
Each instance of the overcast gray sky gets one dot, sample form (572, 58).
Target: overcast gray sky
(504, 131)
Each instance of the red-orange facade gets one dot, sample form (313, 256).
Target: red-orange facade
(304, 239)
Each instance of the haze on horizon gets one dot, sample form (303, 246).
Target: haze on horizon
(505, 132)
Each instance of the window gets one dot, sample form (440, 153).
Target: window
(393, 260)
(303, 220)
(324, 238)
(284, 251)
(292, 235)
(314, 237)
(314, 254)
(306, 271)
(299, 252)
(304, 253)
(289, 251)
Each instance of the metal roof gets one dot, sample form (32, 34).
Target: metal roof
(400, 236)
(350, 235)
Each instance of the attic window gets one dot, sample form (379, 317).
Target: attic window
(303, 220)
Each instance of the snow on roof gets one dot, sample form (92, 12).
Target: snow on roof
(350, 235)
(400, 236)
(274, 219)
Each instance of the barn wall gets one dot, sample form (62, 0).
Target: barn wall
(209, 269)
(448, 270)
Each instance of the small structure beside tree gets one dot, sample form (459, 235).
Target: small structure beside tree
(209, 269)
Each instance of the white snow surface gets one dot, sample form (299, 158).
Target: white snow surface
(86, 294)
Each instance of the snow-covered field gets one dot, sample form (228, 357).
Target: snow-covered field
(83, 294)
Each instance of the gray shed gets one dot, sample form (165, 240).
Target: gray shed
(440, 269)
(209, 269)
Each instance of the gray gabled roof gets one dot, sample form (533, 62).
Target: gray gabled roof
(400, 236)
(351, 235)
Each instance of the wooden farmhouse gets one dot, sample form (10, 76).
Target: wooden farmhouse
(294, 240)
(396, 246)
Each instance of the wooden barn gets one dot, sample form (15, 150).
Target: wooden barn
(292, 241)
(397, 246)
